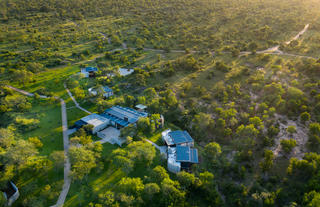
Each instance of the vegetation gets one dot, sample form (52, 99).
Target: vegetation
(198, 63)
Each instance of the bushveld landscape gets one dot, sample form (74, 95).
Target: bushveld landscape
(242, 77)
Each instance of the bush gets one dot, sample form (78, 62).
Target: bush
(27, 124)
(288, 144)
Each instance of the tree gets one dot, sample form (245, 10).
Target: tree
(211, 153)
(150, 93)
(129, 100)
(82, 161)
(304, 117)
(36, 141)
(314, 135)
(159, 174)
(171, 193)
(267, 163)
(144, 125)
(6, 175)
(235, 52)
(252, 47)
(26, 124)
(131, 186)
(107, 198)
(19, 153)
(6, 137)
(79, 93)
(142, 152)
(186, 179)
(311, 199)
(291, 129)
(257, 122)
(201, 124)
(288, 144)
(2, 200)
(58, 159)
(150, 190)
(207, 180)
(23, 76)
(303, 169)
(246, 136)
(124, 163)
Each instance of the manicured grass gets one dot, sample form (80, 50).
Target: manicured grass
(50, 134)
(74, 114)
(49, 130)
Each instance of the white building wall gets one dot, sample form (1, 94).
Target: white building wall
(100, 127)
(174, 166)
(108, 94)
(84, 73)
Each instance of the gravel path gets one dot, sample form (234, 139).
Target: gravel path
(74, 100)
(67, 165)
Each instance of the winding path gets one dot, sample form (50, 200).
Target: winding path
(74, 100)
(275, 50)
(67, 165)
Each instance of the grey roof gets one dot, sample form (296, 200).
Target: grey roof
(141, 107)
(123, 115)
(187, 154)
(180, 137)
(94, 119)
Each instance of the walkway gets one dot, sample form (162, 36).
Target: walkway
(275, 50)
(162, 149)
(74, 100)
(67, 165)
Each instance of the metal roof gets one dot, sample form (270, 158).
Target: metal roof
(91, 69)
(180, 137)
(187, 154)
(123, 115)
(116, 120)
(107, 89)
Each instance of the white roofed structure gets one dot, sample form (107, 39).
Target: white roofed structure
(98, 122)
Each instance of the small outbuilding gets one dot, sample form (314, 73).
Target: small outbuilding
(125, 71)
(141, 107)
(107, 92)
(89, 71)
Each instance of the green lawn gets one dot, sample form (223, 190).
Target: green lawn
(51, 79)
(74, 114)
(50, 134)
(49, 130)
(82, 193)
